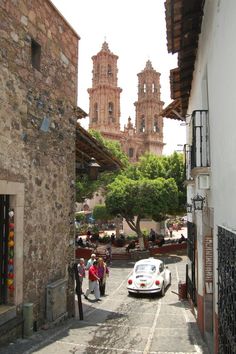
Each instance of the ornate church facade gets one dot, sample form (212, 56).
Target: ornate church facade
(104, 107)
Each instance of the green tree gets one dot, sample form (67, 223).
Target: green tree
(80, 217)
(174, 168)
(136, 199)
(152, 166)
(101, 214)
(85, 188)
(113, 146)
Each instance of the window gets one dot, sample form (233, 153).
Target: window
(95, 112)
(153, 88)
(35, 54)
(131, 152)
(161, 267)
(97, 70)
(142, 124)
(109, 72)
(155, 125)
(110, 109)
(144, 88)
(146, 268)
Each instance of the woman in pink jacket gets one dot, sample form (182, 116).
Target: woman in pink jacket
(103, 273)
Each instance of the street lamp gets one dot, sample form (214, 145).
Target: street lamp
(189, 207)
(93, 168)
(198, 202)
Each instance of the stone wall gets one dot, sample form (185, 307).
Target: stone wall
(37, 137)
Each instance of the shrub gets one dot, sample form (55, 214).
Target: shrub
(145, 233)
(105, 239)
(95, 229)
(82, 229)
(79, 217)
(132, 237)
(120, 242)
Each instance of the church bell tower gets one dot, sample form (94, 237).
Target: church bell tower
(149, 123)
(104, 96)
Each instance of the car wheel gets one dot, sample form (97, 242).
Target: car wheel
(163, 290)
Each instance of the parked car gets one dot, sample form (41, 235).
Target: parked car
(149, 276)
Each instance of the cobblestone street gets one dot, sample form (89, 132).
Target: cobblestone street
(124, 324)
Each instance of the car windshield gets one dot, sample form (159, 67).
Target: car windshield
(147, 268)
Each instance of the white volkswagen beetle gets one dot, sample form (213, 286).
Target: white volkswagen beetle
(149, 276)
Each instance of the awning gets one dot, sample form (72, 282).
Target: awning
(88, 147)
(80, 113)
(183, 25)
(173, 111)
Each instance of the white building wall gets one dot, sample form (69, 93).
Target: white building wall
(215, 77)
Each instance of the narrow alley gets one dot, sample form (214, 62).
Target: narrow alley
(124, 324)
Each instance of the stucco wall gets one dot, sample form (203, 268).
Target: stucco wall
(214, 76)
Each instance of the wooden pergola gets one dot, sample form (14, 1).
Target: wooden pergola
(173, 110)
(183, 24)
(87, 147)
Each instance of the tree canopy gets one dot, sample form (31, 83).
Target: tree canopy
(151, 166)
(85, 188)
(153, 187)
(136, 199)
(100, 213)
(113, 146)
(150, 172)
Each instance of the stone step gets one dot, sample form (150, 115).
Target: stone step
(11, 330)
(7, 313)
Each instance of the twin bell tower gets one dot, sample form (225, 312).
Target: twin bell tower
(104, 107)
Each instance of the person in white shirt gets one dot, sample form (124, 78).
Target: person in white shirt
(90, 261)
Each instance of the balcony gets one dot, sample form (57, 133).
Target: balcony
(197, 155)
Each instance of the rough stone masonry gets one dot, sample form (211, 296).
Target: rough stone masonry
(38, 94)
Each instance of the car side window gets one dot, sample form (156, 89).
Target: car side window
(161, 267)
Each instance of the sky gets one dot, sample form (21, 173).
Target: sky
(135, 31)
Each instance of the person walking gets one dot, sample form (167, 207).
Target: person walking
(81, 272)
(90, 261)
(93, 282)
(103, 273)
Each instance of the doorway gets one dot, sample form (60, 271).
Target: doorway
(4, 231)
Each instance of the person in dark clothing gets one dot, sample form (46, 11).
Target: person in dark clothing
(152, 235)
(113, 238)
(130, 246)
(80, 242)
(181, 239)
(81, 272)
(160, 241)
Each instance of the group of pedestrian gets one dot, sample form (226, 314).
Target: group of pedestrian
(97, 276)
(155, 239)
